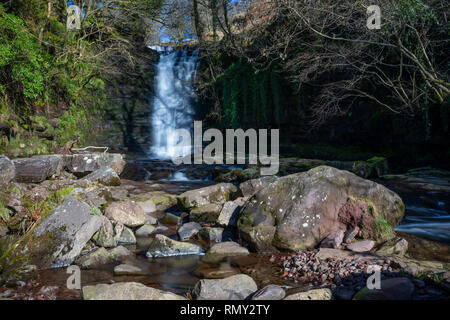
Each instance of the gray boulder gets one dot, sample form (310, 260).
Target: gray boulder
(62, 235)
(316, 294)
(219, 193)
(126, 291)
(162, 246)
(128, 213)
(145, 230)
(237, 287)
(86, 163)
(7, 171)
(211, 234)
(105, 176)
(105, 236)
(298, 211)
(270, 292)
(361, 246)
(333, 240)
(124, 235)
(38, 168)
(225, 249)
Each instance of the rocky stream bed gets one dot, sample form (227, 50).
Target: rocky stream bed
(146, 229)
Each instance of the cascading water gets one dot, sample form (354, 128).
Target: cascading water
(172, 105)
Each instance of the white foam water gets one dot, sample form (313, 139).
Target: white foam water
(172, 105)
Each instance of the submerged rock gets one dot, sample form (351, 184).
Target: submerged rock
(126, 291)
(298, 211)
(236, 287)
(127, 213)
(162, 246)
(128, 270)
(225, 249)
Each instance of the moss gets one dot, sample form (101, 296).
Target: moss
(382, 228)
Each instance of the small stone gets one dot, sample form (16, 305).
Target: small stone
(189, 230)
(128, 270)
(361, 246)
(145, 230)
(270, 292)
(333, 240)
(316, 294)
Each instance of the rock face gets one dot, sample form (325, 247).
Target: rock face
(105, 176)
(162, 246)
(391, 289)
(7, 170)
(62, 235)
(126, 291)
(300, 210)
(236, 287)
(86, 163)
(317, 294)
(38, 168)
(128, 213)
(225, 249)
(219, 193)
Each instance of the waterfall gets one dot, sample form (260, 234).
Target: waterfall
(172, 105)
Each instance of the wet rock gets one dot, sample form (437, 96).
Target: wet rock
(101, 256)
(7, 171)
(397, 246)
(361, 246)
(250, 187)
(211, 234)
(161, 200)
(63, 233)
(124, 235)
(298, 211)
(127, 213)
(126, 291)
(83, 164)
(223, 271)
(225, 249)
(391, 289)
(128, 270)
(344, 293)
(188, 230)
(333, 240)
(207, 213)
(145, 230)
(38, 168)
(162, 246)
(236, 287)
(229, 214)
(219, 194)
(316, 294)
(105, 176)
(172, 219)
(105, 236)
(270, 292)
